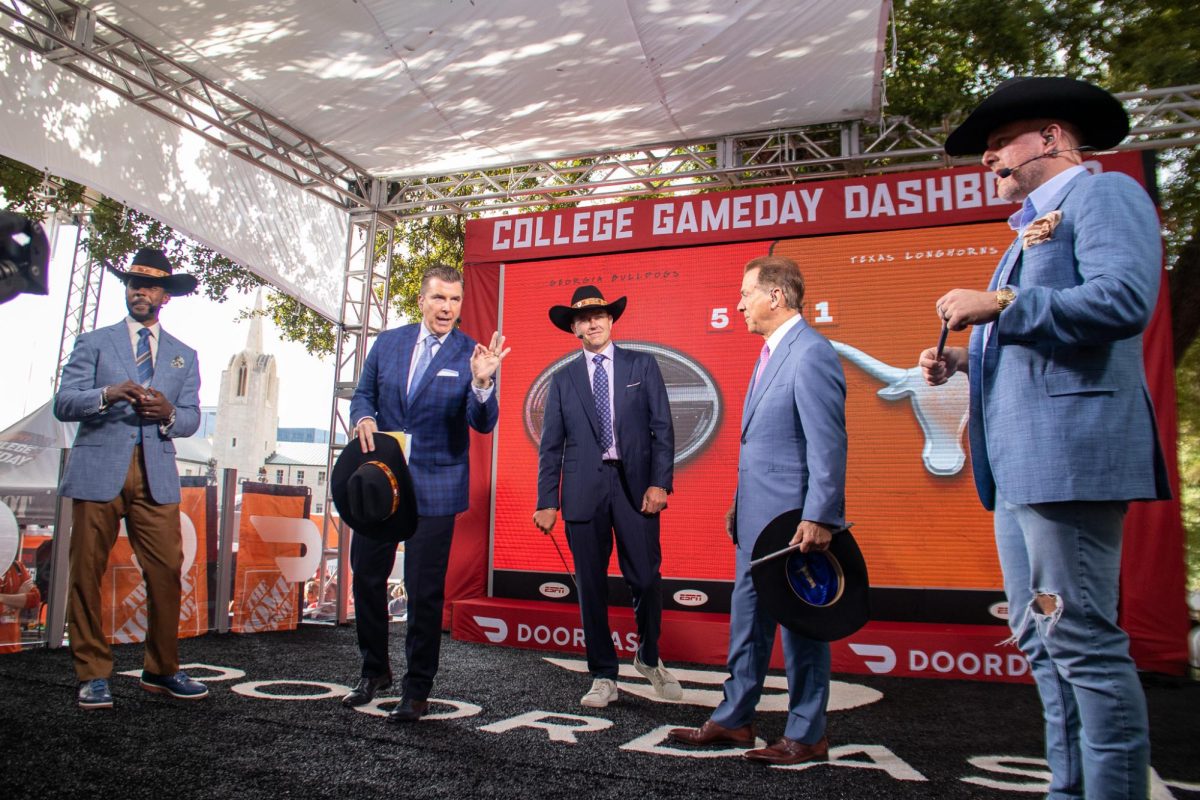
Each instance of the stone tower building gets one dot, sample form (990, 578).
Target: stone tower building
(248, 408)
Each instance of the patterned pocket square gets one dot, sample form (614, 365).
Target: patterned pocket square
(1040, 230)
(177, 362)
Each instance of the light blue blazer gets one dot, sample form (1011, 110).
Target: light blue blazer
(1060, 410)
(793, 438)
(105, 440)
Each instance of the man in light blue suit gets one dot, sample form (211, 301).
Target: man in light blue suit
(133, 388)
(1061, 426)
(433, 382)
(793, 455)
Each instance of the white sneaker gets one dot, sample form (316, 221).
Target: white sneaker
(665, 684)
(603, 692)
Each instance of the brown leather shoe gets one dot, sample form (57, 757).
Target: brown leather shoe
(409, 710)
(712, 733)
(789, 751)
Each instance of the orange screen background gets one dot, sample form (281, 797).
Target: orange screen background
(873, 291)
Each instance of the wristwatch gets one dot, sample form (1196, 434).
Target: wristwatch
(1005, 296)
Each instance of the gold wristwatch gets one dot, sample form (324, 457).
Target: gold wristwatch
(1005, 296)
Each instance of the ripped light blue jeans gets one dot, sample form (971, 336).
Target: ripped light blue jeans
(1097, 736)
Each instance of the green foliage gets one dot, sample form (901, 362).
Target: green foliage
(299, 323)
(36, 194)
(420, 245)
(1187, 381)
(118, 231)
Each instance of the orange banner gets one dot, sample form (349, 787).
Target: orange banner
(264, 599)
(123, 592)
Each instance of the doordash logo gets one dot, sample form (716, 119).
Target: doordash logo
(496, 630)
(879, 658)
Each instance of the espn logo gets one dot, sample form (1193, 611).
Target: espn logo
(554, 590)
(690, 597)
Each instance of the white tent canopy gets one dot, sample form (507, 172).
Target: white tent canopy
(430, 87)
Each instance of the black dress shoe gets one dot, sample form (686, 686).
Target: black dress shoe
(365, 691)
(409, 710)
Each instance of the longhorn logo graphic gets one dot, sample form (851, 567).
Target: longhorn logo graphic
(941, 410)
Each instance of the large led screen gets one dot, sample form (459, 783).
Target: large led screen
(926, 538)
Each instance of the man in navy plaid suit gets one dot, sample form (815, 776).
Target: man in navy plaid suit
(431, 381)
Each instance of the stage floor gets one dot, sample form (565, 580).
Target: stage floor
(508, 724)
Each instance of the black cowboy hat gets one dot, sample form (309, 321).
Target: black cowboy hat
(1099, 116)
(586, 298)
(821, 595)
(152, 266)
(373, 491)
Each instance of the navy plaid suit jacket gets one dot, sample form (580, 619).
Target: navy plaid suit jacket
(437, 416)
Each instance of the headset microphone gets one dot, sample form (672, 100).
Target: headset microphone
(1004, 173)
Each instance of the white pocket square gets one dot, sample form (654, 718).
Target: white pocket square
(447, 373)
(632, 385)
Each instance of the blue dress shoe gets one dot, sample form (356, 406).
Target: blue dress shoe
(179, 685)
(94, 694)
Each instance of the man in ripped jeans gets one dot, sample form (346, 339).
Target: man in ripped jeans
(1061, 424)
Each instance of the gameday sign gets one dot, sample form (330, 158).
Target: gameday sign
(902, 200)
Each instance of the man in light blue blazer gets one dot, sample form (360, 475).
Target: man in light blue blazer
(433, 382)
(793, 455)
(133, 388)
(1061, 426)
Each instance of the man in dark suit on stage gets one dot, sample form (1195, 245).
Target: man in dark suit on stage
(607, 438)
(133, 388)
(431, 381)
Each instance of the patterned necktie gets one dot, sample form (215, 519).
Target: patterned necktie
(422, 364)
(145, 366)
(600, 395)
(763, 358)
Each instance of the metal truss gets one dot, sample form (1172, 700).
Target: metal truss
(1160, 119)
(83, 294)
(365, 296)
(78, 39)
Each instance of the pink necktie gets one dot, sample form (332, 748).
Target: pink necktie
(763, 358)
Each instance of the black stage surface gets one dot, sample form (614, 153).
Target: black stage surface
(512, 737)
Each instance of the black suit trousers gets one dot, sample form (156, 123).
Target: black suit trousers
(426, 556)
(638, 555)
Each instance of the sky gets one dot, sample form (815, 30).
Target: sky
(31, 327)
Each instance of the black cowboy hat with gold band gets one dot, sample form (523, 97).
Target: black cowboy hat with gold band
(822, 595)
(1100, 117)
(586, 298)
(152, 266)
(373, 492)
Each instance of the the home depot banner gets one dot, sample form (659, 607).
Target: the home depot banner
(278, 548)
(123, 592)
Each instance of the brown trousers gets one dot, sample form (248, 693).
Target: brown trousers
(154, 534)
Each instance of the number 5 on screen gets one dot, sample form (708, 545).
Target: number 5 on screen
(720, 318)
